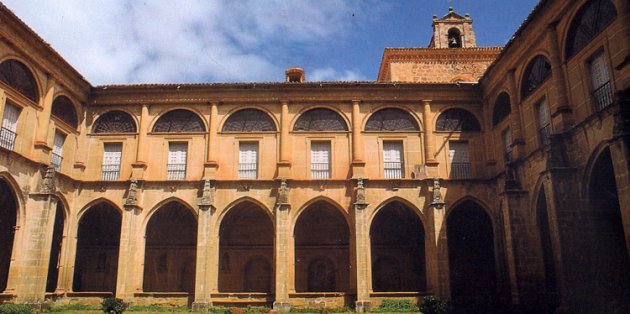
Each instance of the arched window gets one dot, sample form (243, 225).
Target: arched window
(320, 119)
(591, 19)
(179, 120)
(18, 76)
(249, 120)
(391, 119)
(114, 121)
(501, 109)
(63, 109)
(537, 71)
(454, 38)
(457, 120)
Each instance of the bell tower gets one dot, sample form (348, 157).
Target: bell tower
(453, 31)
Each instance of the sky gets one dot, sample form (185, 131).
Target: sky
(192, 41)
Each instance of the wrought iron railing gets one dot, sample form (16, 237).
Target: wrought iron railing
(320, 170)
(176, 171)
(393, 170)
(603, 96)
(56, 161)
(461, 170)
(7, 138)
(110, 172)
(544, 132)
(247, 170)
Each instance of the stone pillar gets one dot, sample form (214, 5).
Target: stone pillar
(3, 101)
(211, 165)
(362, 240)
(358, 160)
(561, 113)
(281, 249)
(41, 147)
(620, 155)
(284, 165)
(37, 240)
(620, 42)
(429, 139)
(82, 147)
(436, 215)
(518, 141)
(130, 236)
(142, 152)
(205, 250)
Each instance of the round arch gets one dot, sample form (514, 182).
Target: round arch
(342, 122)
(117, 124)
(64, 109)
(233, 114)
(416, 122)
(199, 126)
(534, 74)
(501, 109)
(601, 17)
(462, 118)
(37, 86)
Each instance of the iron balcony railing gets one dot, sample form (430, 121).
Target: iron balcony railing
(110, 172)
(176, 171)
(320, 171)
(603, 96)
(393, 170)
(544, 133)
(247, 170)
(7, 138)
(461, 170)
(56, 161)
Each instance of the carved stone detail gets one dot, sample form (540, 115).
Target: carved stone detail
(437, 200)
(207, 195)
(360, 201)
(48, 184)
(132, 194)
(282, 200)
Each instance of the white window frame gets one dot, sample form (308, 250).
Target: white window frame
(393, 159)
(248, 153)
(112, 157)
(177, 160)
(601, 86)
(459, 159)
(57, 151)
(9, 125)
(320, 153)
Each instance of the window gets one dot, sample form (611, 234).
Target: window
(57, 152)
(320, 119)
(590, 20)
(9, 126)
(502, 109)
(536, 73)
(460, 161)
(506, 137)
(248, 160)
(112, 153)
(544, 122)
(179, 120)
(600, 82)
(249, 120)
(63, 109)
(391, 119)
(15, 74)
(393, 160)
(114, 121)
(458, 120)
(176, 168)
(320, 160)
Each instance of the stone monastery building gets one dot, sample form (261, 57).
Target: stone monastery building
(495, 178)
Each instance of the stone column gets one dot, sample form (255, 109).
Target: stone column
(362, 240)
(284, 165)
(429, 139)
(436, 215)
(560, 111)
(620, 41)
(82, 147)
(130, 236)
(281, 249)
(142, 152)
(620, 155)
(205, 250)
(211, 165)
(41, 147)
(358, 161)
(518, 141)
(3, 101)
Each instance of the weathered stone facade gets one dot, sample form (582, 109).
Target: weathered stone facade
(510, 191)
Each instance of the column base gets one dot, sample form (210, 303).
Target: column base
(363, 306)
(201, 307)
(281, 307)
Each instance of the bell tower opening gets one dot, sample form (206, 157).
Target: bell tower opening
(453, 31)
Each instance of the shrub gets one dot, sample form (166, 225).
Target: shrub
(396, 306)
(433, 305)
(15, 309)
(113, 305)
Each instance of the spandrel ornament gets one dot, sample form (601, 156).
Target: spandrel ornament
(437, 201)
(48, 184)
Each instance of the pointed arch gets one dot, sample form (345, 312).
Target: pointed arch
(114, 121)
(589, 21)
(59, 230)
(239, 201)
(320, 119)
(249, 120)
(324, 199)
(19, 77)
(64, 109)
(392, 119)
(457, 119)
(178, 121)
(9, 213)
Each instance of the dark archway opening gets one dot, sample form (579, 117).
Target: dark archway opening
(98, 242)
(454, 38)
(246, 246)
(321, 250)
(55, 249)
(550, 293)
(398, 257)
(472, 260)
(171, 247)
(8, 220)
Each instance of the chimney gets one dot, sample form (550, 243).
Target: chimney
(294, 75)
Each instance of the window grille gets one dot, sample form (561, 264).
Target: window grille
(249, 120)
(391, 119)
(600, 83)
(63, 109)
(544, 123)
(393, 160)
(9, 126)
(502, 109)
(20, 78)
(179, 120)
(112, 153)
(176, 167)
(57, 152)
(457, 120)
(459, 159)
(591, 19)
(114, 121)
(536, 73)
(320, 119)
(320, 160)
(248, 160)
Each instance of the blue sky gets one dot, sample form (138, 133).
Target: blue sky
(166, 41)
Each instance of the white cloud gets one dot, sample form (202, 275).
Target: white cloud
(330, 74)
(130, 41)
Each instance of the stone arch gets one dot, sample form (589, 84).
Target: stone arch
(98, 242)
(171, 245)
(60, 229)
(501, 109)
(179, 120)
(115, 121)
(325, 199)
(320, 119)
(65, 110)
(587, 22)
(390, 118)
(9, 218)
(246, 238)
(535, 74)
(249, 120)
(20, 77)
(543, 225)
(457, 119)
(454, 38)
(321, 230)
(398, 245)
(244, 199)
